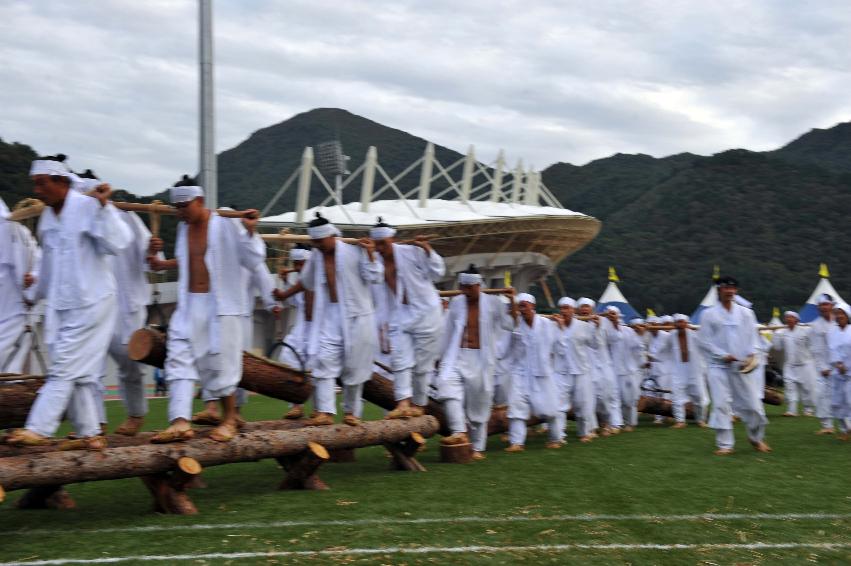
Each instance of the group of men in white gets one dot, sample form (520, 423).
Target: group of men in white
(364, 307)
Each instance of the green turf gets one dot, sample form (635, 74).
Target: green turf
(654, 470)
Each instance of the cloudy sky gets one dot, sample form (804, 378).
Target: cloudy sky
(113, 83)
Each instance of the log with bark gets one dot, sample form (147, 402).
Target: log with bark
(772, 396)
(61, 468)
(17, 393)
(660, 406)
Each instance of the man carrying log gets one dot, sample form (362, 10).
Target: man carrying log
(727, 337)
(19, 259)
(77, 234)
(205, 332)
(688, 372)
(343, 340)
(465, 377)
(294, 352)
(799, 372)
(625, 350)
(533, 391)
(573, 372)
(414, 315)
(821, 328)
(603, 376)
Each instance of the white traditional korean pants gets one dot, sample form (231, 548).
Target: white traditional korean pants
(629, 393)
(532, 395)
(466, 398)
(415, 346)
(840, 400)
(798, 387)
(576, 392)
(11, 330)
(77, 353)
(686, 390)
(131, 375)
(329, 364)
(190, 361)
(731, 391)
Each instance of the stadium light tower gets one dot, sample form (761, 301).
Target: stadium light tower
(332, 161)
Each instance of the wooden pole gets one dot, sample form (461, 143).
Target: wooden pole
(456, 292)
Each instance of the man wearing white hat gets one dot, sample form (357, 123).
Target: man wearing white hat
(533, 390)
(75, 278)
(465, 378)
(624, 348)
(342, 341)
(603, 375)
(19, 262)
(727, 337)
(205, 332)
(820, 329)
(688, 372)
(839, 344)
(799, 371)
(660, 366)
(414, 319)
(573, 372)
(294, 351)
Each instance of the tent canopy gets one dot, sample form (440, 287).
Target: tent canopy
(809, 312)
(613, 297)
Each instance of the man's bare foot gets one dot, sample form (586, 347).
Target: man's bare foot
(628, 428)
(679, 425)
(457, 438)
(586, 439)
(790, 414)
(702, 424)
(26, 437)
(613, 430)
(321, 419)
(397, 413)
(843, 437)
(296, 412)
(478, 456)
(224, 432)
(516, 448)
(416, 411)
(554, 444)
(824, 431)
(131, 426)
(760, 446)
(724, 452)
(604, 432)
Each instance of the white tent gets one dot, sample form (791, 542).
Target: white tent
(809, 312)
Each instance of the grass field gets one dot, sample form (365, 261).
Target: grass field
(655, 496)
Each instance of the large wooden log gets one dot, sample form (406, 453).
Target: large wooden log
(17, 394)
(61, 468)
(120, 441)
(661, 406)
(772, 397)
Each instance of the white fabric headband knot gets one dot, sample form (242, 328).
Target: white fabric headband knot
(322, 231)
(526, 297)
(824, 298)
(585, 301)
(84, 185)
(381, 232)
(791, 313)
(614, 309)
(566, 301)
(49, 167)
(469, 279)
(667, 319)
(678, 317)
(185, 194)
(635, 321)
(844, 308)
(299, 254)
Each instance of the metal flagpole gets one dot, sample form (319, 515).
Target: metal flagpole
(207, 148)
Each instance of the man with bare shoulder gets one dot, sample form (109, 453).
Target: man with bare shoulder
(205, 333)
(465, 378)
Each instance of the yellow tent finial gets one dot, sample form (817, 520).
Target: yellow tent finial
(716, 272)
(650, 313)
(507, 278)
(822, 270)
(613, 277)
(775, 313)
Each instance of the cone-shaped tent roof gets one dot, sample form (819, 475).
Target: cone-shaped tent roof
(809, 312)
(612, 296)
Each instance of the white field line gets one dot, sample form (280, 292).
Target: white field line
(431, 550)
(432, 520)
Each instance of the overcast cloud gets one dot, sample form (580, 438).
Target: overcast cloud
(114, 83)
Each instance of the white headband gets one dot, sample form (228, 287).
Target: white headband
(679, 316)
(299, 254)
(614, 309)
(526, 297)
(381, 232)
(566, 301)
(469, 279)
(585, 301)
(825, 298)
(49, 167)
(844, 308)
(635, 321)
(322, 231)
(667, 319)
(185, 194)
(791, 313)
(652, 320)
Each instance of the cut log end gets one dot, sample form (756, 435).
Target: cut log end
(2, 494)
(189, 466)
(319, 451)
(456, 453)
